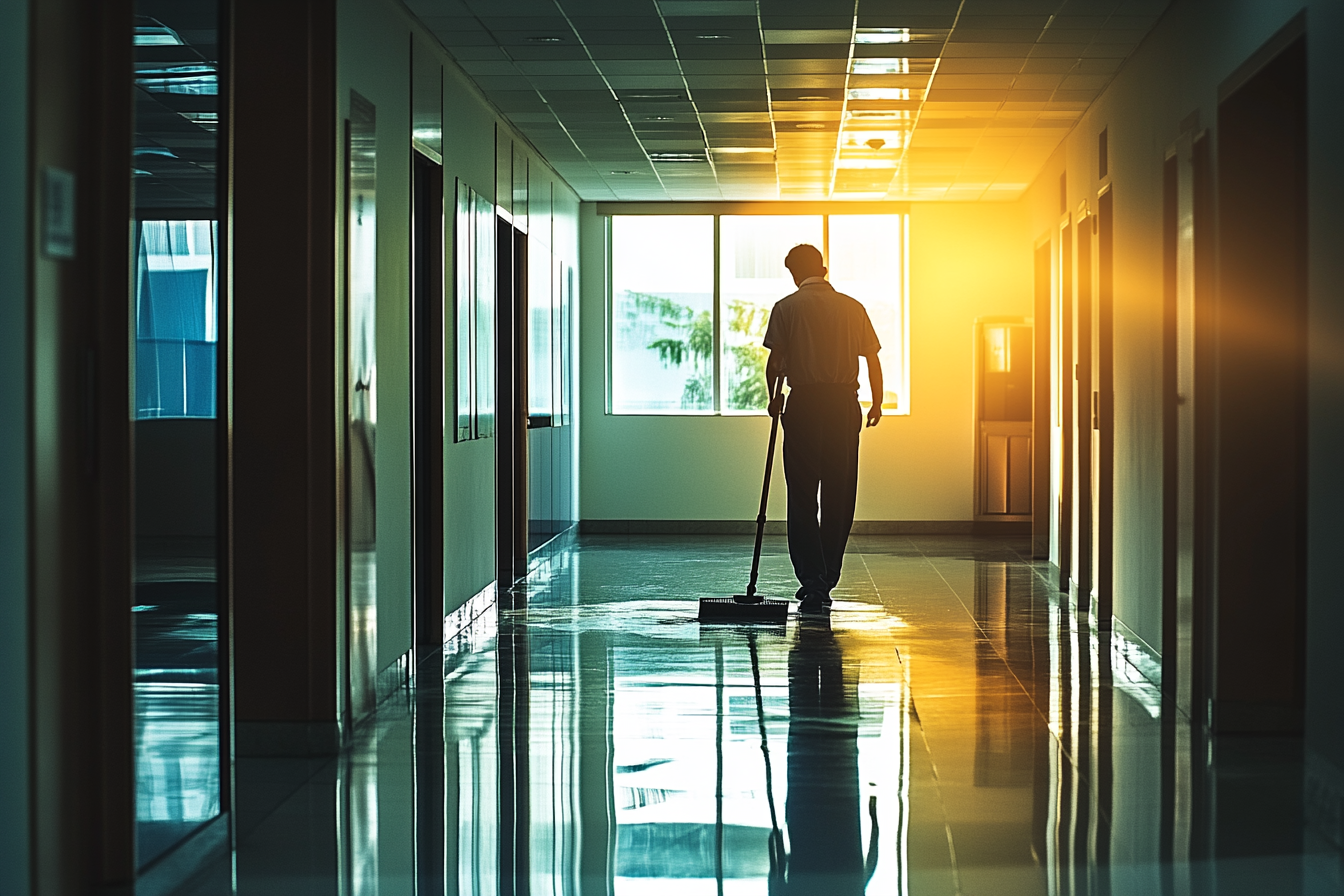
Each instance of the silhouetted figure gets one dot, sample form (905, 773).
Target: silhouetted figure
(816, 337)
(826, 853)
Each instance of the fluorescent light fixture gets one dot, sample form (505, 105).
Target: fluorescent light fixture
(742, 150)
(713, 37)
(161, 151)
(872, 116)
(810, 126)
(677, 157)
(879, 93)
(651, 96)
(882, 36)
(813, 98)
(624, 173)
(874, 66)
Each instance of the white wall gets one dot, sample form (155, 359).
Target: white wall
(14, 433)
(967, 260)
(1174, 72)
(374, 59)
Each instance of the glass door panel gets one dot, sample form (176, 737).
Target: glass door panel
(178, 756)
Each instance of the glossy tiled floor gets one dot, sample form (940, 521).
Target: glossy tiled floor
(954, 729)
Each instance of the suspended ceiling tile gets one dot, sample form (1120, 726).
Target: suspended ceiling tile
(1101, 65)
(502, 82)
(557, 67)
(972, 82)
(1008, 73)
(1076, 37)
(1070, 52)
(1049, 65)
(964, 35)
(673, 8)
(979, 65)
(646, 82)
(986, 50)
(1037, 82)
(727, 68)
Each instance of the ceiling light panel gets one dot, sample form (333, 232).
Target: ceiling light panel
(792, 101)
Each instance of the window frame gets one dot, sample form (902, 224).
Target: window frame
(902, 406)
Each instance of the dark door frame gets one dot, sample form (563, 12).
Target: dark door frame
(1085, 409)
(511, 404)
(427, 407)
(1040, 406)
(1104, 325)
(1066, 404)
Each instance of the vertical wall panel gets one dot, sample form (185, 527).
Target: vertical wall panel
(14, 759)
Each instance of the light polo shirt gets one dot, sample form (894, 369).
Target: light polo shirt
(821, 333)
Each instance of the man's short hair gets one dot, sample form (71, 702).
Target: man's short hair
(803, 257)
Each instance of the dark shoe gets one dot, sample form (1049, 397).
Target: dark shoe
(814, 605)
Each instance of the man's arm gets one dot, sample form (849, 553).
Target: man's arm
(875, 384)
(774, 370)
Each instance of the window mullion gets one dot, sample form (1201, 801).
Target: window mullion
(718, 323)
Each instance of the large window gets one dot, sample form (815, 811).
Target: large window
(691, 297)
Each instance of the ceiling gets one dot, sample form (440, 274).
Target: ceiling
(792, 99)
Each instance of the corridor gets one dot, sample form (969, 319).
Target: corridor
(956, 728)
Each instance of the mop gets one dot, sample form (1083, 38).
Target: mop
(752, 607)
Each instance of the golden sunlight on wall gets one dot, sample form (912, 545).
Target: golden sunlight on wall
(966, 261)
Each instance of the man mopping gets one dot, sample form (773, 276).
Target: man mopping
(816, 337)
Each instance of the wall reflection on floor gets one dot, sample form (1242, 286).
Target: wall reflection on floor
(955, 728)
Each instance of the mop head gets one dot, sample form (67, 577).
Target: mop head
(733, 610)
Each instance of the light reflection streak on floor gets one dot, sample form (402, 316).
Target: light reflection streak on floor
(573, 749)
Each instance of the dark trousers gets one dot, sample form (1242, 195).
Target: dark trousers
(821, 454)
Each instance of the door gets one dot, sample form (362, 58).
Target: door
(1083, 407)
(361, 399)
(1064, 391)
(427, 420)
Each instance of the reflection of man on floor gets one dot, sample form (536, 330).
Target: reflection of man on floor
(822, 808)
(816, 337)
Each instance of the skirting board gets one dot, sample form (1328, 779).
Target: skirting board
(779, 527)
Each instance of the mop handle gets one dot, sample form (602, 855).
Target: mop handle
(775, 386)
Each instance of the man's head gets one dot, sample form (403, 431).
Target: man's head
(804, 261)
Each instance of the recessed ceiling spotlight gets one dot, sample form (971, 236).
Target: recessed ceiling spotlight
(882, 36)
(547, 39)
